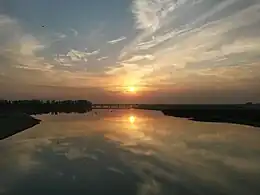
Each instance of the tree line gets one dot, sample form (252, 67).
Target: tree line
(45, 107)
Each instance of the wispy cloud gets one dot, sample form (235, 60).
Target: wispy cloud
(150, 16)
(19, 49)
(30, 45)
(93, 52)
(75, 32)
(24, 57)
(5, 20)
(202, 43)
(61, 35)
(102, 58)
(45, 67)
(117, 40)
(115, 170)
(153, 14)
(64, 60)
(76, 55)
(140, 57)
(182, 45)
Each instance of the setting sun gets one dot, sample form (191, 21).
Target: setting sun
(132, 89)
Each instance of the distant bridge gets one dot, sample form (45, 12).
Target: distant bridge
(114, 106)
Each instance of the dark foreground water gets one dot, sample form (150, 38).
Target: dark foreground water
(130, 152)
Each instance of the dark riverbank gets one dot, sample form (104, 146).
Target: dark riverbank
(237, 114)
(15, 115)
(15, 123)
(33, 107)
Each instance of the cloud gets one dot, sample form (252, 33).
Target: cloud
(113, 169)
(74, 58)
(93, 52)
(6, 20)
(193, 38)
(209, 42)
(102, 58)
(64, 60)
(18, 49)
(157, 19)
(30, 45)
(76, 55)
(140, 57)
(198, 36)
(44, 67)
(116, 40)
(61, 35)
(129, 74)
(150, 16)
(150, 186)
(26, 61)
(178, 45)
(75, 32)
(153, 14)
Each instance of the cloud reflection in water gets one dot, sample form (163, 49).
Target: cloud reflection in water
(143, 152)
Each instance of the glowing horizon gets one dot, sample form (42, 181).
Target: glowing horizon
(165, 51)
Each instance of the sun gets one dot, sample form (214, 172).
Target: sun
(132, 89)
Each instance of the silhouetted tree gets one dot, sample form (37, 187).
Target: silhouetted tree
(44, 107)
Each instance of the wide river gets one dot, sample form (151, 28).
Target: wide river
(130, 152)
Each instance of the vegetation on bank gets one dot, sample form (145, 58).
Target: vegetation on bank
(237, 114)
(15, 123)
(15, 115)
(44, 107)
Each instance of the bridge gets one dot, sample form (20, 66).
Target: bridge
(114, 106)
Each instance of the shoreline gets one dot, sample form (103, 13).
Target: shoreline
(233, 115)
(14, 123)
(15, 116)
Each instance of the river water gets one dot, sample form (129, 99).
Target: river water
(130, 152)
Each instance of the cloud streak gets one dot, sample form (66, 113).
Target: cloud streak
(93, 52)
(61, 35)
(139, 58)
(117, 40)
(102, 58)
(75, 32)
(153, 14)
(76, 55)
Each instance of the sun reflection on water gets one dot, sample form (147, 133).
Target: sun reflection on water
(132, 119)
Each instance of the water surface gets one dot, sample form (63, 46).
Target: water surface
(130, 152)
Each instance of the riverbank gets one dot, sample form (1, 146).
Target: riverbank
(13, 123)
(15, 115)
(237, 114)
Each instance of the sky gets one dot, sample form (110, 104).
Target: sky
(169, 51)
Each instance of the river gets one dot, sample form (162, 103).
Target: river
(130, 152)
